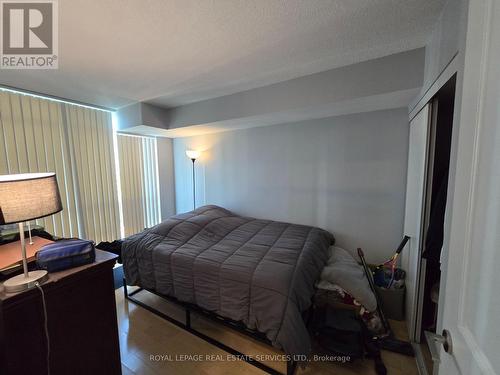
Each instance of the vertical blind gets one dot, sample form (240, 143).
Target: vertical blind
(139, 182)
(90, 132)
(75, 142)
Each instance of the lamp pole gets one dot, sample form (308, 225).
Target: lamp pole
(194, 186)
(23, 249)
(193, 155)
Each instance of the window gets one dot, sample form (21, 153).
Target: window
(75, 142)
(138, 167)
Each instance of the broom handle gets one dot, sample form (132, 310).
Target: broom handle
(369, 276)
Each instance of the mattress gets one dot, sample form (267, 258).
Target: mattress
(259, 272)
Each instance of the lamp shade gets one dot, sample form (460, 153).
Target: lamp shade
(28, 196)
(193, 154)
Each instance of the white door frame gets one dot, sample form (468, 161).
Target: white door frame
(466, 230)
(416, 183)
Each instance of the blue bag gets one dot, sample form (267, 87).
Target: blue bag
(64, 254)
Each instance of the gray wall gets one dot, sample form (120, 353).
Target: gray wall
(346, 174)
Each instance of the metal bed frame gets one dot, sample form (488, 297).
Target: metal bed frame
(234, 325)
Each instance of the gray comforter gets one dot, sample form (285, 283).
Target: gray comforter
(259, 272)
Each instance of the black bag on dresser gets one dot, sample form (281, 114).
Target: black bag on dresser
(64, 254)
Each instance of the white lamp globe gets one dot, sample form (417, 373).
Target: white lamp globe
(193, 154)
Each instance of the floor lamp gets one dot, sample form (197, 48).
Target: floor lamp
(25, 197)
(193, 155)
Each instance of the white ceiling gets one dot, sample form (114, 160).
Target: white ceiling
(115, 52)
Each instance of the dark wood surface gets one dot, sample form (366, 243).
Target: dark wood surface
(82, 324)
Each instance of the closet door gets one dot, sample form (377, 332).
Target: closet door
(415, 201)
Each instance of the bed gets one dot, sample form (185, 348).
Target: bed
(257, 272)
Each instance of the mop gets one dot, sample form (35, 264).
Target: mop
(388, 342)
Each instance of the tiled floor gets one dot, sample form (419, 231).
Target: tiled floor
(143, 334)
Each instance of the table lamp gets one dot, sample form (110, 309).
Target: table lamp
(25, 197)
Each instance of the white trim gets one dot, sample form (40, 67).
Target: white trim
(444, 77)
(474, 164)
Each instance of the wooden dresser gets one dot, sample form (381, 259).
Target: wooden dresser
(82, 324)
